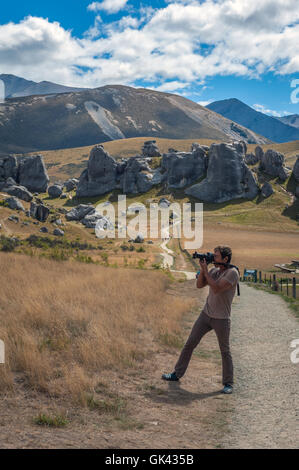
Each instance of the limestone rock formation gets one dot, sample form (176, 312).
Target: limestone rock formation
(39, 211)
(100, 175)
(228, 177)
(79, 212)
(272, 163)
(32, 173)
(55, 190)
(150, 149)
(184, 168)
(18, 191)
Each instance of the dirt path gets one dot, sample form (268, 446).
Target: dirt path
(265, 402)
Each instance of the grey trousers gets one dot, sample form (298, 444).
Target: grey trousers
(203, 324)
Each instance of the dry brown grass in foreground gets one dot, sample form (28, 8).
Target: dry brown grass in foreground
(64, 322)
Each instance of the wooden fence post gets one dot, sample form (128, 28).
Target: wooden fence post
(287, 286)
(294, 287)
(260, 277)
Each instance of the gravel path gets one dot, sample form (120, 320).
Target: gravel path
(264, 405)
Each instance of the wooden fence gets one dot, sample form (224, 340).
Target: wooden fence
(287, 285)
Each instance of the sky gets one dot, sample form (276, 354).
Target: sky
(204, 50)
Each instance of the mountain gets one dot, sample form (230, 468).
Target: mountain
(17, 86)
(291, 120)
(76, 119)
(268, 126)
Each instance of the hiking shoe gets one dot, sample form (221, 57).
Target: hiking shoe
(170, 377)
(227, 389)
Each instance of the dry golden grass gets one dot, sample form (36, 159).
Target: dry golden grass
(64, 323)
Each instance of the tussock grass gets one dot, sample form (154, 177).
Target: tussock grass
(64, 323)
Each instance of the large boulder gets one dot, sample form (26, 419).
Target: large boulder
(55, 190)
(272, 163)
(100, 175)
(266, 190)
(32, 173)
(79, 212)
(19, 191)
(228, 177)
(184, 168)
(251, 159)
(91, 220)
(259, 153)
(14, 203)
(71, 184)
(39, 211)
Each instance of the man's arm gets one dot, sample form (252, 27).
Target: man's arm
(217, 286)
(201, 280)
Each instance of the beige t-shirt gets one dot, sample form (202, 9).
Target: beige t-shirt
(219, 305)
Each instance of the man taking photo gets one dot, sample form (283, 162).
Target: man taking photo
(215, 315)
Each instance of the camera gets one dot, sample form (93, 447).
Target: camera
(209, 257)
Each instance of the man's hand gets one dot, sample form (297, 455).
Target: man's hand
(201, 279)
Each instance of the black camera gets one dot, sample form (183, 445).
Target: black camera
(209, 257)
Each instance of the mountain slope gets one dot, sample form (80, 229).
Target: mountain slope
(270, 127)
(17, 86)
(88, 117)
(291, 120)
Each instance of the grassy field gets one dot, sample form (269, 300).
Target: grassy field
(63, 323)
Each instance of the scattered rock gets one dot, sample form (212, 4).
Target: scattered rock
(164, 203)
(14, 204)
(251, 159)
(19, 191)
(39, 211)
(14, 218)
(272, 163)
(267, 190)
(63, 196)
(44, 230)
(71, 184)
(55, 191)
(79, 212)
(139, 238)
(58, 232)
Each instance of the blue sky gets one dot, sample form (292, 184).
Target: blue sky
(205, 50)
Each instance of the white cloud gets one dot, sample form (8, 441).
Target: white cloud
(184, 42)
(262, 109)
(110, 6)
(205, 103)
(172, 86)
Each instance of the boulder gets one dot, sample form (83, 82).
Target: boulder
(297, 192)
(19, 191)
(39, 211)
(44, 230)
(164, 203)
(282, 173)
(32, 173)
(228, 177)
(267, 190)
(184, 168)
(139, 238)
(58, 232)
(14, 204)
(272, 163)
(14, 218)
(91, 220)
(100, 175)
(79, 212)
(55, 191)
(71, 184)
(240, 146)
(150, 149)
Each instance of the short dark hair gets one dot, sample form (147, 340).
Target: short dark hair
(225, 251)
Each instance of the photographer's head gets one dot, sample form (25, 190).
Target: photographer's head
(222, 254)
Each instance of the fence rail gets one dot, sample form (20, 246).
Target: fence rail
(287, 285)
